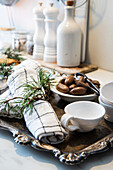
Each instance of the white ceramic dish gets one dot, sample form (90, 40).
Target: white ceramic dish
(109, 110)
(71, 98)
(84, 116)
(106, 93)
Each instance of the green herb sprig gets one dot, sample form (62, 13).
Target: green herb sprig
(13, 54)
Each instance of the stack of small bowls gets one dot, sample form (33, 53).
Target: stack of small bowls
(106, 100)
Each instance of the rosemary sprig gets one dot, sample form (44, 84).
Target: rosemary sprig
(13, 54)
(33, 91)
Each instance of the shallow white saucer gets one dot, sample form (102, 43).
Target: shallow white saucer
(71, 98)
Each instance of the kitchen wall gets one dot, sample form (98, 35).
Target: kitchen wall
(100, 46)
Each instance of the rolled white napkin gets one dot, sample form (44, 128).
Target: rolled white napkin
(43, 122)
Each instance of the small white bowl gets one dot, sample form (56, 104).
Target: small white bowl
(69, 97)
(109, 110)
(106, 93)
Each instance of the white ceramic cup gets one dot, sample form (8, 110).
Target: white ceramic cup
(83, 115)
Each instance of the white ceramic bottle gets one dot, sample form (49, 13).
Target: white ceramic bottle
(38, 38)
(69, 39)
(50, 40)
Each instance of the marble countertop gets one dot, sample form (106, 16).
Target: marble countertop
(14, 156)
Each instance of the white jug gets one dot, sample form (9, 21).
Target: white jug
(69, 39)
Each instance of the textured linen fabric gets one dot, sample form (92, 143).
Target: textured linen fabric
(43, 122)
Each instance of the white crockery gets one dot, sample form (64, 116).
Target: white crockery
(39, 34)
(106, 93)
(69, 97)
(69, 40)
(83, 115)
(109, 109)
(50, 39)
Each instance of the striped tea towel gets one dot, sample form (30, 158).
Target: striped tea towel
(43, 122)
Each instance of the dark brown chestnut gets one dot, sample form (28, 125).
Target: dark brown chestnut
(72, 86)
(78, 91)
(62, 88)
(69, 80)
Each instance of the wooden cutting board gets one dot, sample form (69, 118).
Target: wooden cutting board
(83, 68)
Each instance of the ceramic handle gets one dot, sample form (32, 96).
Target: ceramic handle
(65, 120)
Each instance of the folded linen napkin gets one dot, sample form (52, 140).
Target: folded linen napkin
(43, 122)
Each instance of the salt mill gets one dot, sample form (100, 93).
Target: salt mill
(69, 39)
(39, 34)
(50, 40)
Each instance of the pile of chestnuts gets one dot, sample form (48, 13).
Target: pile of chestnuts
(76, 86)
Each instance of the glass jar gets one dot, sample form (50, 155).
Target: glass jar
(30, 44)
(19, 39)
(5, 39)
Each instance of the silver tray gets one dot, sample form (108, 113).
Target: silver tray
(76, 146)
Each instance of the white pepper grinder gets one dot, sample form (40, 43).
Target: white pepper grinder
(69, 39)
(50, 40)
(39, 34)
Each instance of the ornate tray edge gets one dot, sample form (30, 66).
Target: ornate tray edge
(67, 158)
